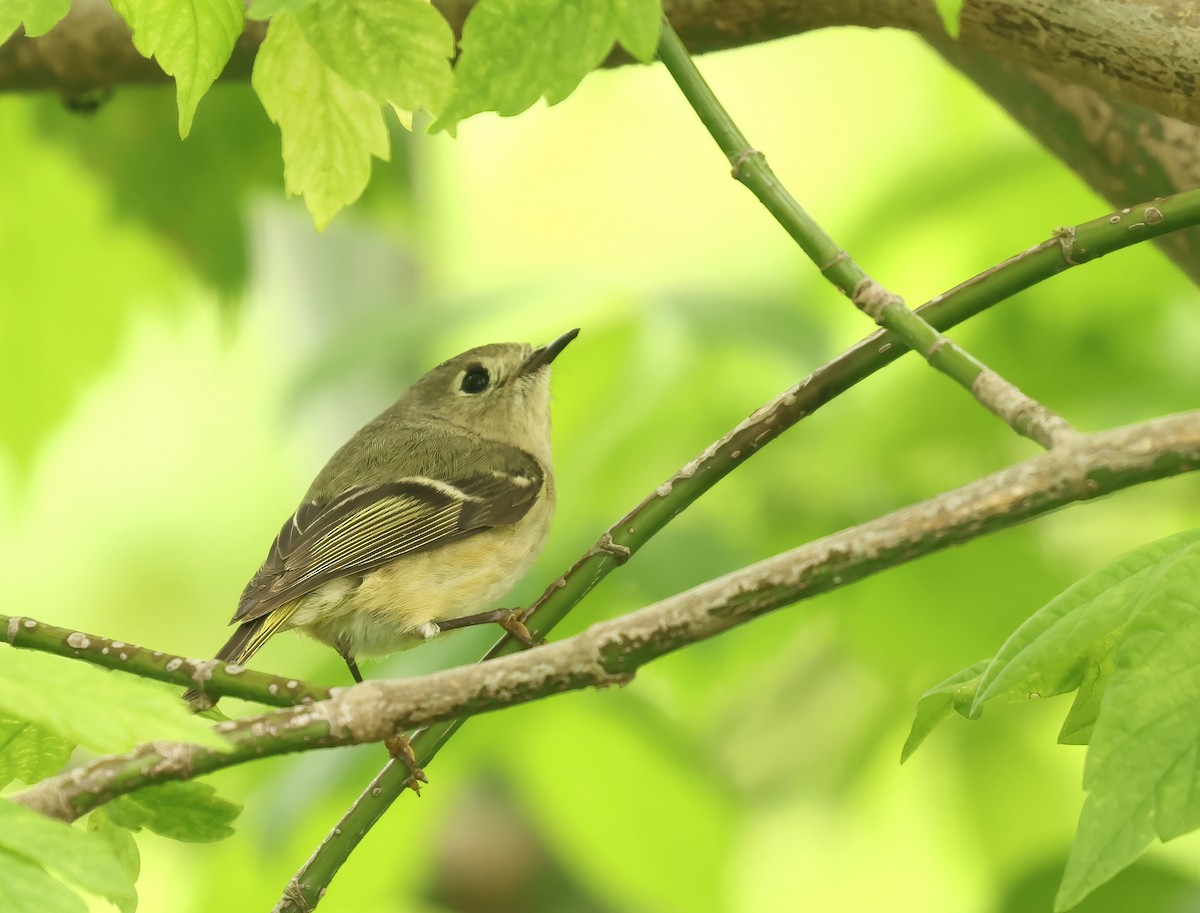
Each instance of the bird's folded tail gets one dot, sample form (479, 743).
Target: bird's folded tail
(246, 641)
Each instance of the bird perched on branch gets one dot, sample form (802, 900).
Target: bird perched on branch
(421, 521)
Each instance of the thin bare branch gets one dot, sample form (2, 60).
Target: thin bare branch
(212, 676)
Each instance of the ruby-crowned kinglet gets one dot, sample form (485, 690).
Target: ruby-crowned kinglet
(422, 520)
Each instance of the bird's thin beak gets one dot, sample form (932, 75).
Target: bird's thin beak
(547, 353)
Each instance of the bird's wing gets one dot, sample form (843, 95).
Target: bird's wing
(366, 527)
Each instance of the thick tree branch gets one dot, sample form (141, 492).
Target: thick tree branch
(1146, 52)
(610, 652)
(212, 676)
(1123, 151)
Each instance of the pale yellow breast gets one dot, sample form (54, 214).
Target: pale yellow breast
(387, 611)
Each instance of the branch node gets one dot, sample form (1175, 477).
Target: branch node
(293, 899)
(873, 299)
(1023, 414)
(606, 546)
(938, 344)
(202, 671)
(741, 158)
(837, 258)
(1066, 241)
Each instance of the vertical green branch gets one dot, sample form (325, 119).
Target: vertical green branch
(1023, 414)
(750, 167)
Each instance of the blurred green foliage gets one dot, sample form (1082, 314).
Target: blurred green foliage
(180, 351)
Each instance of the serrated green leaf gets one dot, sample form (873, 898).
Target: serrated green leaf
(190, 39)
(1141, 773)
(1128, 638)
(1085, 710)
(106, 711)
(265, 9)
(397, 51)
(955, 693)
(639, 23)
(29, 753)
(38, 16)
(517, 51)
(119, 839)
(184, 810)
(1048, 653)
(951, 13)
(330, 129)
(27, 888)
(79, 858)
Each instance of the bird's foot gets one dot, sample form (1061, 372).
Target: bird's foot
(514, 624)
(400, 748)
(510, 621)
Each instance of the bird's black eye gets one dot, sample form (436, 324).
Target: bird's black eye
(476, 379)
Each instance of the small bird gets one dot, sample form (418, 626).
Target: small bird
(422, 520)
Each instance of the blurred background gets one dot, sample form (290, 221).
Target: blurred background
(180, 352)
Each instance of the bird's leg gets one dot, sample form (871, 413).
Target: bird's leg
(398, 746)
(509, 620)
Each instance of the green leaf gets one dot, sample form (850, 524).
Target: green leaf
(119, 839)
(1142, 773)
(1081, 718)
(639, 24)
(517, 51)
(79, 858)
(106, 711)
(1048, 654)
(135, 147)
(184, 810)
(56, 211)
(265, 9)
(38, 16)
(330, 129)
(1128, 638)
(190, 39)
(951, 13)
(955, 693)
(397, 51)
(29, 753)
(26, 888)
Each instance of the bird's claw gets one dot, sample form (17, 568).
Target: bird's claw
(512, 622)
(400, 748)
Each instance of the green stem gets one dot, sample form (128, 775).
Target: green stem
(751, 168)
(1022, 414)
(216, 677)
